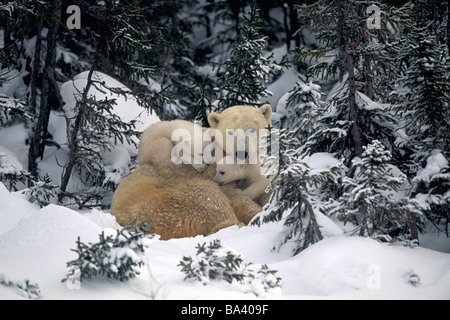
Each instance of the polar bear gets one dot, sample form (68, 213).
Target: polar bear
(246, 120)
(173, 208)
(161, 144)
(244, 208)
(177, 201)
(255, 181)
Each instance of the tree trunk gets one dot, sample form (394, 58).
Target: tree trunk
(294, 23)
(448, 25)
(356, 134)
(72, 137)
(36, 67)
(350, 65)
(37, 145)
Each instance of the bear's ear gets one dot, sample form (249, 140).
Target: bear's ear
(214, 119)
(266, 111)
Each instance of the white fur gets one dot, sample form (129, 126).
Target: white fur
(227, 171)
(160, 144)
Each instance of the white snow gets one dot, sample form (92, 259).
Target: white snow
(35, 244)
(435, 163)
(9, 164)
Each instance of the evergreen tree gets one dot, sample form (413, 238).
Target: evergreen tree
(349, 51)
(301, 109)
(370, 199)
(431, 189)
(121, 35)
(296, 194)
(422, 100)
(116, 257)
(214, 262)
(247, 71)
(93, 129)
(424, 95)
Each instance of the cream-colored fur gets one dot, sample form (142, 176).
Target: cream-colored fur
(256, 182)
(177, 201)
(240, 117)
(246, 118)
(157, 147)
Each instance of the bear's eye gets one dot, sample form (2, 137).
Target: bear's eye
(222, 172)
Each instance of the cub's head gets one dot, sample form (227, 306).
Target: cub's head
(228, 171)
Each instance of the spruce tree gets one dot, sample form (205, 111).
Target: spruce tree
(300, 110)
(296, 194)
(247, 71)
(348, 52)
(424, 95)
(121, 35)
(422, 100)
(370, 199)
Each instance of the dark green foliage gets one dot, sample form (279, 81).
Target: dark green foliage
(116, 257)
(295, 191)
(370, 199)
(25, 288)
(14, 111)
(40, 190)
(246, 72)
(214, 262)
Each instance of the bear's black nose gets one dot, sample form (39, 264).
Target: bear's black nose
(242, 154)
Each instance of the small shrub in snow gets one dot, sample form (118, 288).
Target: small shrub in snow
(296, 189)
(369, 200)
(41, 191)
(25, 288)
(214, 262)
(113, 257)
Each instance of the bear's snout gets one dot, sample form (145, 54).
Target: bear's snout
(242, 154)
(218, 180)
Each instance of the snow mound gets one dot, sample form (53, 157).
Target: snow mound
(36, 244)
(127, 108)
(362, 268)
(435, 163)
(9, 164)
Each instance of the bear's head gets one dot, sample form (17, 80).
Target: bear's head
(238, 120)
(228, 171)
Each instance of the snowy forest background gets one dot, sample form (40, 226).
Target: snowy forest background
(374, 98)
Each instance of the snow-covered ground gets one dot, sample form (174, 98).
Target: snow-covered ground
(35, 244)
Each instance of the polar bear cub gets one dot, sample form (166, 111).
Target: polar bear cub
(176, 141)
(227, 171)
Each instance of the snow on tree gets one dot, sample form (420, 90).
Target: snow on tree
(92, 129)
(422, 101)
(214, 262)
(431, 189)
(301, 109)
(423, 96)
(116, 257)
(25, 288)
(297, 192)
(247, 71)
(347, 52)
(370, 199)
